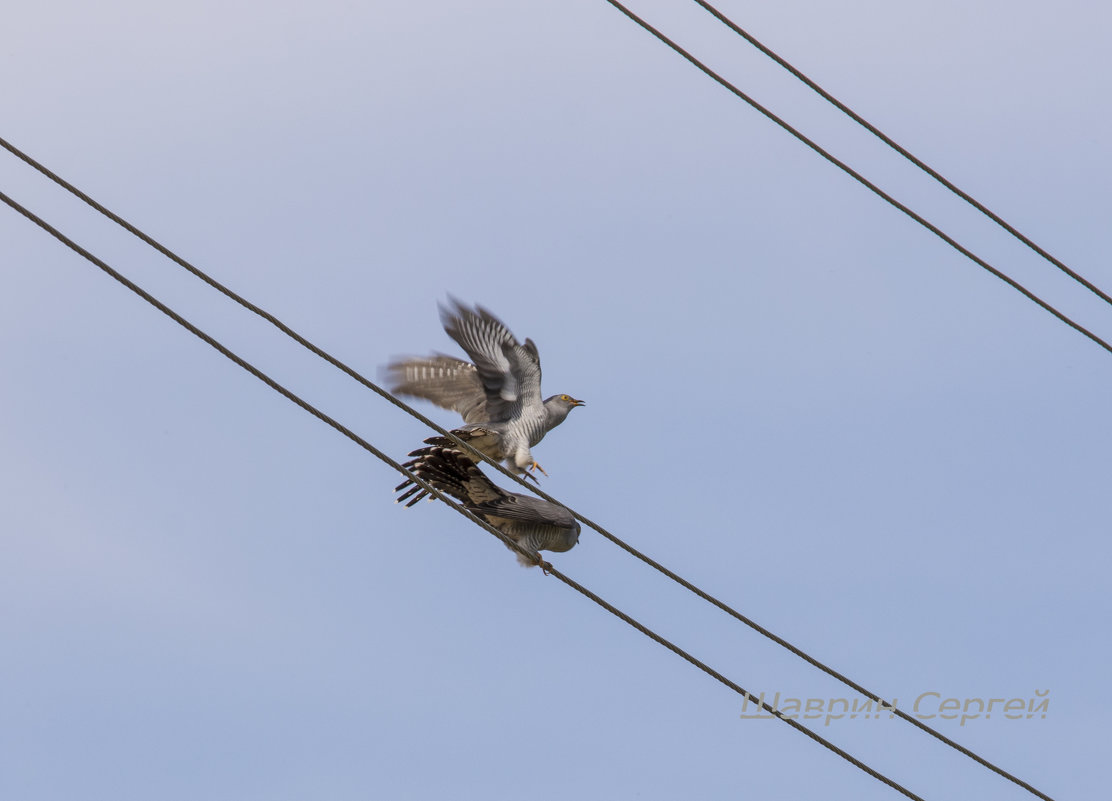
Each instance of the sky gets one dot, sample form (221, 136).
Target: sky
(797, 399)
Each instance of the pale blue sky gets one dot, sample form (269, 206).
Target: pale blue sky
(797, 398)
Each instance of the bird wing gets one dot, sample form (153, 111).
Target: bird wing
(448, 382)
(503, 364)
(525, 364)
(526, 509)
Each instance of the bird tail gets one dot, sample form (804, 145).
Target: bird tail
(449, 471)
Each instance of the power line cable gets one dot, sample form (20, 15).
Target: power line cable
(289, 395)
(859, 177)
(896, 146)
(536, 490)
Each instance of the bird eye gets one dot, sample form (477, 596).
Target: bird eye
(565, 398)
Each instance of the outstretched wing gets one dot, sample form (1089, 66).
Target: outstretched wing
(509, 371)
(448, 382)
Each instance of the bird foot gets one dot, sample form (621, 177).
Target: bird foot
(538, 467)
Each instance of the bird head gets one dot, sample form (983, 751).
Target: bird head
(558, 407)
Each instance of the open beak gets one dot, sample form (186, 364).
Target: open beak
(575, 402)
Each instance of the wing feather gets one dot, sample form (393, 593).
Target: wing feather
(508, 370)
(448, 382)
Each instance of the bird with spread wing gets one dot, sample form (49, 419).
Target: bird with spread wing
(498, 392)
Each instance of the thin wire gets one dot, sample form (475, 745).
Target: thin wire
(879, 134)
(860, 178)
(536, 490)
(459, 508)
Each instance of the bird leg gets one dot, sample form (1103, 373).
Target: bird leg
(538, 467)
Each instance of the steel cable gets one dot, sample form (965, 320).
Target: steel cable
(896, 146)
(860, 178)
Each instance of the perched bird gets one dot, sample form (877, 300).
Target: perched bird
(498, 392)
(534, 524)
